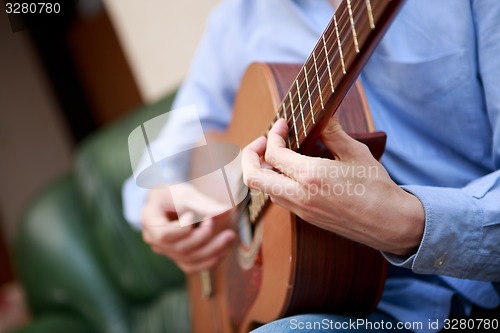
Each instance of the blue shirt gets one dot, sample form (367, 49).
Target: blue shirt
(433, 86)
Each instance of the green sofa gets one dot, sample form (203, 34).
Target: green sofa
(83, 267)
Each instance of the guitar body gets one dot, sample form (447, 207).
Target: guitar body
(286, 266)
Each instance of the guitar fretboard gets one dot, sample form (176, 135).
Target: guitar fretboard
(331, 69)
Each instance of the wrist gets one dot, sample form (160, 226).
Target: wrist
(409, 223)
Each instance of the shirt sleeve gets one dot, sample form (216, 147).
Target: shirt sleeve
(462, 226)
(210, 90)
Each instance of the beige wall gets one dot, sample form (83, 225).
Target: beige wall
(159, 38)
(34, 144)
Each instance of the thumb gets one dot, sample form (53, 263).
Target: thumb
(339, 143)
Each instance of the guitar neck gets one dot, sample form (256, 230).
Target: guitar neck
(333, 66)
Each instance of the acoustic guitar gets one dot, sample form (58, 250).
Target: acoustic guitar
(281, 265)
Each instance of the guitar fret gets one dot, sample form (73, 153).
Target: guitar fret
(370, 14)
(286, 118)
(309, 95)
(353, 28)
(319, 85)
(328, 63)
(293, 119)
(301, 109)
(339, 43)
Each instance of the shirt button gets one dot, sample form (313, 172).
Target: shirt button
(439, 262)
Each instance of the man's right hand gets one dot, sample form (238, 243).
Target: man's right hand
(193, 249)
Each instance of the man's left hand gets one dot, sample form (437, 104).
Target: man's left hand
(352, 195)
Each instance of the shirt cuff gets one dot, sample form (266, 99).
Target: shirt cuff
(452, 233)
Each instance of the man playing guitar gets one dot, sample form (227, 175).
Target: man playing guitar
(433, 206)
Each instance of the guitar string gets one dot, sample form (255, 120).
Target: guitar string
(362, 31)
(344, 33)
(348, 48)
(263, 198)
(257, 203)
(363, 35)
(343, 29)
